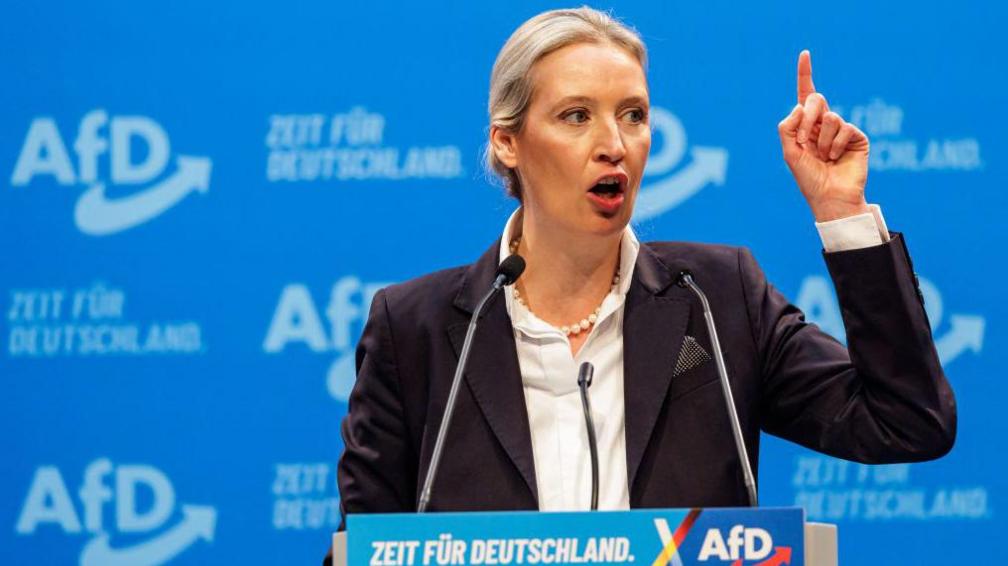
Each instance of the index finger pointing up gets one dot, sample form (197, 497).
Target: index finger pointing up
(805, 86)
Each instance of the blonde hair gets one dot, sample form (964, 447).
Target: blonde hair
(510, 82)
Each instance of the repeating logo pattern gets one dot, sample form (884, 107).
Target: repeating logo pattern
(892, 150)
(964, 333)
(49, 502)
(298, 321)
(349, 146)
(90, 321)
(667, 187)
(98, 213)
(288, 178)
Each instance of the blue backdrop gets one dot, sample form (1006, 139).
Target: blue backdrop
(194, 193)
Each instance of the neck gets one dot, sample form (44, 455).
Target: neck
(566, 276)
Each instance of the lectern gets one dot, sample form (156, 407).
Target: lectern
(655, 537)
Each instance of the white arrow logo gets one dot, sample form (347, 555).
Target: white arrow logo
(708, 166)
(199, 522)
(966, 334)
(95, 214)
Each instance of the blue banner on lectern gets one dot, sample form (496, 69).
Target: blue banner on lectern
(661, 537)
(198, 201)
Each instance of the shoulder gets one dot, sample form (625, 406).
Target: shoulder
(437, 285)
(698, 257)
(731, 269)
(431, 292)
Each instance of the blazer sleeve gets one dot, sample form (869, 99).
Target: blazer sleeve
(377, 471)
(882, 399)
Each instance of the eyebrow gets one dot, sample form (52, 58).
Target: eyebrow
(577, 99)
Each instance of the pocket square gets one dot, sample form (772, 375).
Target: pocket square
(691, 355)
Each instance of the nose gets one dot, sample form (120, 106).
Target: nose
(609, 144)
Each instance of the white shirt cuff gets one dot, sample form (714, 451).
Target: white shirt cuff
(854, 232)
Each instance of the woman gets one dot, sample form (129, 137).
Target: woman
(569, 134)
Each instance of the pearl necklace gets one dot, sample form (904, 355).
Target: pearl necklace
(580, 326)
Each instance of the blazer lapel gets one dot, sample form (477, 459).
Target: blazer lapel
(493, 374)
(653, 330)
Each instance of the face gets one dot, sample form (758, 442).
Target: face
(582, 149)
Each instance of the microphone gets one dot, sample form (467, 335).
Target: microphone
(584, 382)
(507, 273)
(685, 279)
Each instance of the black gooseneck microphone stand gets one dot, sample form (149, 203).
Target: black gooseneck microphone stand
(507, 273)
(584, 382)
(685, 279)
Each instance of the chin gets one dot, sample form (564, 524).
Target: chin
(609, 225)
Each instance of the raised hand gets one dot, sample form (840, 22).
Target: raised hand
(827, 156)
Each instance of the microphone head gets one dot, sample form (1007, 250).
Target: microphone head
(585, 374)
(683, 276)
(511, 269)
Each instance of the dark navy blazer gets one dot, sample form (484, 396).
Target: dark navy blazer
(885, 399)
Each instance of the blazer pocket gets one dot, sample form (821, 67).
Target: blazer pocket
(694, 368)
(691, 355)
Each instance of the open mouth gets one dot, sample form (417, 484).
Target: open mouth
(607, 189)
(609, 185)
(607, 193)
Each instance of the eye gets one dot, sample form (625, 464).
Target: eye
(637, 116)
(575, 117)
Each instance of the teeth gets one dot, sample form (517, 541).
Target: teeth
(609, 181)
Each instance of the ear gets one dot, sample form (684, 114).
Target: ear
(502, 143)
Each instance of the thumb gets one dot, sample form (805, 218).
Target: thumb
(787, 129)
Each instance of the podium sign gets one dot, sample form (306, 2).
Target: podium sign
(659, 537)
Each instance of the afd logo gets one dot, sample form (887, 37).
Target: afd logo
(44, 154)
(664, 187)
(49, 503)
(297, 320)
(963, 333)
(742, 545)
